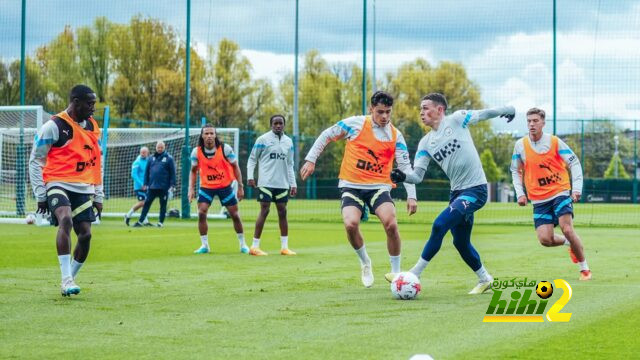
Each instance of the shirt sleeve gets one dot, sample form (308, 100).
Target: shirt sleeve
(343, 129)
(291, 174)
(573, 163)
(256, 151)
(228, 152)
(42, 143)
(193, 157)
(404, 164)
(420, 163)
(470, 117)
(422, 157)
(517, 162)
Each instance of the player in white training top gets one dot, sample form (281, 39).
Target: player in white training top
(273, 151)
(450, 145)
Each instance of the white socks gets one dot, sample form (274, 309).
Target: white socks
(483, 274)
(395, 263)
(363, 256)
(418, 268)
(65, 265)
(284, 242)
(131, 211)
(583, 265)
(566, 242)
(205, 240)
(255, 244)
(75, 267)
(241, 240)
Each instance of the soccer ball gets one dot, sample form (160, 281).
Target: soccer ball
(544, 289)
(30, 219)
(405, 286)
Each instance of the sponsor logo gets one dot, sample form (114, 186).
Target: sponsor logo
(447, 150)
(522, 305)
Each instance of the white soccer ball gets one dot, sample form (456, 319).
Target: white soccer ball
(405, 286)
(30, 218)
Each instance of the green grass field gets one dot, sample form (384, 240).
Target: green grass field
(145, 295)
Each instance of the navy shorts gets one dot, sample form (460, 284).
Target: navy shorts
(548, 212)
(266, 194)
(81, 204)
(360, 197)
(468, 201)
(141, 195)
(226, 195)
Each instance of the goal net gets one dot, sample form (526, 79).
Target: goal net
(123, 147)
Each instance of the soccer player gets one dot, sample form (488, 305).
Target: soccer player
(65, 169)
(274, 152)
(372, 145)
(137, 174)
(218, 168)
(543, 158)
(159, 181)
(449, 143)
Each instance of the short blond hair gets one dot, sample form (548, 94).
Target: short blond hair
(536, 111)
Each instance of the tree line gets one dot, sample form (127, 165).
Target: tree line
(139, 70)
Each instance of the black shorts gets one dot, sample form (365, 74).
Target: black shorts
(267, 194)
(81, 204)
(141, 195)
(226, 196)
(549, 212)
(360, 197)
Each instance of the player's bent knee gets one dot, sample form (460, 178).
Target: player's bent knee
(65, 222)
(546, 241)
(351, 226)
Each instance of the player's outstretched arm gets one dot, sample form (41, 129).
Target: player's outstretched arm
(516, 172)
(414, 176)
(470, 117)
(346, 128)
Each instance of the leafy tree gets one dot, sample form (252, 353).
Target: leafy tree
(616, 162)
(95, 55)
(491, 169)
(35, 90)
(59, 59)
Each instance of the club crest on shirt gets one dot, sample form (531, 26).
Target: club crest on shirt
(448, 131)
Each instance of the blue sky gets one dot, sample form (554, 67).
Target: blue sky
(504, 45)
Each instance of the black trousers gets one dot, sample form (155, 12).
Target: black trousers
(152, 194)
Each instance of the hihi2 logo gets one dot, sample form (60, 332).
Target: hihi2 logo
(523, 305)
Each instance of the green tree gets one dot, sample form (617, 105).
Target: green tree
(95, 56)
(59, 59)
(35, 89)
(616, 162)
(230, 87)
(141, 50)
(491, 169)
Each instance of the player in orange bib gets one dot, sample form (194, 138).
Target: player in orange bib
(65, 169)
(218, 168)
(541, 160)
(373, 143)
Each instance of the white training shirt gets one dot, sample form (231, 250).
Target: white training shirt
(542, 146)
(274, 156)
(349, 129)
(452, 147)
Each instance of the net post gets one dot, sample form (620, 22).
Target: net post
(103, 145)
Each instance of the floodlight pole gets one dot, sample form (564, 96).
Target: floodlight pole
(296, 128)
(20, 161)
(554, 67)
(364, 57)
(374, 80)
(186, 163)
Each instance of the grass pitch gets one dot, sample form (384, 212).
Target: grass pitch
(146, 295)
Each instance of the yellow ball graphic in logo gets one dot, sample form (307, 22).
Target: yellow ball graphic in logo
(544, 289)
